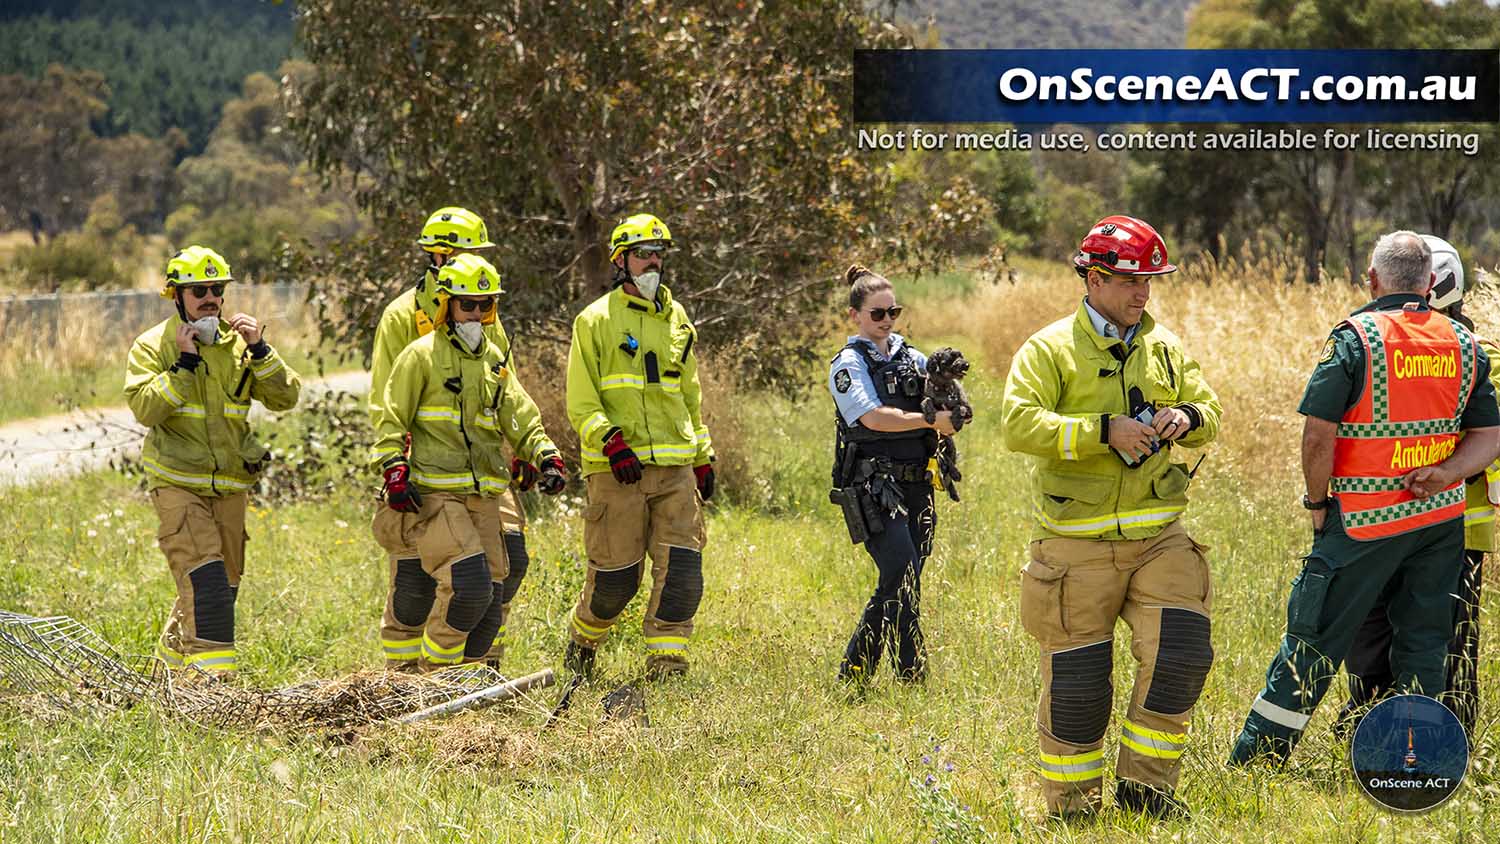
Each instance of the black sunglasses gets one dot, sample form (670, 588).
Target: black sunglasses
(644, 252)
(469, 306)
(201, 290)
(878, 314)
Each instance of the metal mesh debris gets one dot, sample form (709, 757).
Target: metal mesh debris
(57, 665)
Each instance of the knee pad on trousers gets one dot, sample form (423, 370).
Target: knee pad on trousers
(414, 592)
(515, 551)
(1183, 657)
(683, 588)
(613, 590)
(483, 634)
(213, 602)
(472, 592)
(1081, 692)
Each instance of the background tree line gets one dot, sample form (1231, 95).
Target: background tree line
(120, 129)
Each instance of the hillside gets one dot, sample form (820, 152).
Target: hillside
(168, 64)
(1060, 24)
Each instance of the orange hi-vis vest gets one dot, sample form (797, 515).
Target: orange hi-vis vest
(1420, 368)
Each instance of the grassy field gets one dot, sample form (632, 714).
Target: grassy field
(757, 743)
(44, 373)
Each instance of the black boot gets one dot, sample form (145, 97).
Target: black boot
(1135, 796)
(579, 661)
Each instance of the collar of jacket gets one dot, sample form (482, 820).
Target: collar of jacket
(1393, 302)
(1085, 326)
(636, 303)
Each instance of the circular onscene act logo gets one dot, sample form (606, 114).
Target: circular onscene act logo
(1409, 753)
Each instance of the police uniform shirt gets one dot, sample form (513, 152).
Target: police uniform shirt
(1339, 377)
(849, 378)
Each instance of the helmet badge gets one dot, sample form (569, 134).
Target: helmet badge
(210, 270)
(1156, 256)
(1107, 229)
(656, 231)
(484, 283)
(446, 218)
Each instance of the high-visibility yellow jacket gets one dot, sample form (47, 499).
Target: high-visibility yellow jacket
(403, 321)
(199, 437)
(460, 408)
(1064, 383)
(1483, 493)
(631, 366)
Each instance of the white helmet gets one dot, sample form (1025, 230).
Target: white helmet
(1448, 289)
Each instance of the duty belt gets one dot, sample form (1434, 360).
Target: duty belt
(906, 473)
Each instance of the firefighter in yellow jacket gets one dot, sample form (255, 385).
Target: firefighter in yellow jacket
(191, 379)
(634, 398)
(449, 407)
(448, 232)
(1101, 400)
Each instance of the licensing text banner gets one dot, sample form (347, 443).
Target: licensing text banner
(1177, 86)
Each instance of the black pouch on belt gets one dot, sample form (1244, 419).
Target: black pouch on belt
(854, 518)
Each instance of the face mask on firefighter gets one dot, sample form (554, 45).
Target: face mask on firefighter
(472, 333)
(207, 329)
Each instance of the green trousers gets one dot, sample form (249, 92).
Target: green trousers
(1341, 580)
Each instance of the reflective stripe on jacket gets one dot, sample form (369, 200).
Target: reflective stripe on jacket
(460, 408)
(632, 366)
(1063, 383)
(1421, 367)
(199, 437)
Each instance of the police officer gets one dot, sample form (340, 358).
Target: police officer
(1384, 464)
(880, 471)
(448, 409)
(635, 401)
(191, 379)
(448, 233)
(1101, 400)
(1368, 662)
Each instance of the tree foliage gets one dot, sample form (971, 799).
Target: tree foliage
(249, 194)
(169, 63)
(1324, 199)
(730, 120)
(53, 165)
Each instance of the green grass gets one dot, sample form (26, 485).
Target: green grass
(756, 744)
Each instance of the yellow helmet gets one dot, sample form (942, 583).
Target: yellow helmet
(195, 265)
(454, 228)
(466, 275)
(636, 230)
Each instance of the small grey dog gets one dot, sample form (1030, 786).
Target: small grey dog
(946, 369)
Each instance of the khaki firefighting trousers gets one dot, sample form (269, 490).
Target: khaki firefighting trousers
(661, 515)
(447, 563)
(203, 539)
(410, 591)
(1072, 591)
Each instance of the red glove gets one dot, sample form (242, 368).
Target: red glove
(705, 476)
(399, 493)
(554, 475)
(623, 463)
(524, 473)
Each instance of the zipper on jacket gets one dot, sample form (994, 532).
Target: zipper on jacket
(464, 432)
(213, 479)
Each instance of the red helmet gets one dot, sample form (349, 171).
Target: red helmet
(1121, 244)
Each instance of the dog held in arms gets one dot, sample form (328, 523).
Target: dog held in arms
(946, 368)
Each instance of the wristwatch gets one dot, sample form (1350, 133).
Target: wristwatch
(1310, 504)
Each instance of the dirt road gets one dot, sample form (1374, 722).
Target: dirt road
(56, 446)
